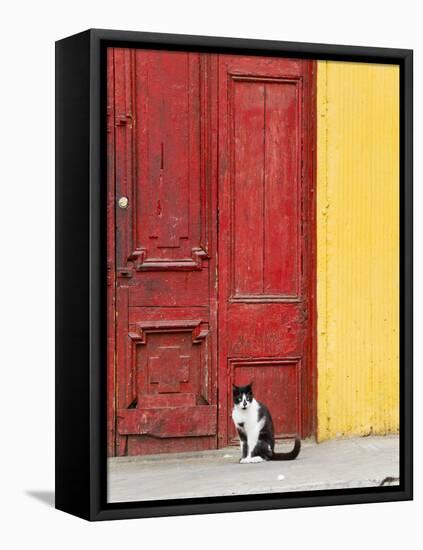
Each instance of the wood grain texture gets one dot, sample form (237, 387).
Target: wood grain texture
(168, 421)
(358, 254)
(265, 143)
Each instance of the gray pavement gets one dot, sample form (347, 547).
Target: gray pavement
(342, 463)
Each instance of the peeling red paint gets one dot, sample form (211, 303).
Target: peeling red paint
(212, 260)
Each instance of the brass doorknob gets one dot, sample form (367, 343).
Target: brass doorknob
(123, 202)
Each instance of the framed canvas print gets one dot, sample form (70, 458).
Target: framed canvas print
(234, 274)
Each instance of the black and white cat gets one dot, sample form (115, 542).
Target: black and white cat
(255, 428)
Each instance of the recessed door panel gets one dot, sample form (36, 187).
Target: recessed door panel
(264, 121)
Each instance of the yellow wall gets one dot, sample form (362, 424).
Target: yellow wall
(357, 240)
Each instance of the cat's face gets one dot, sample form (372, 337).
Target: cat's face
(242, 396)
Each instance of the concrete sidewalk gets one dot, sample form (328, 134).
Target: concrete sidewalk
(355, 462)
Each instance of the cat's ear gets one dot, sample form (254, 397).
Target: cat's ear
(250, 386)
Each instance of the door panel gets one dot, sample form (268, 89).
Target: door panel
(159, 133)
(165, 290)
(263, 143)
(265, 257)
(276, 380)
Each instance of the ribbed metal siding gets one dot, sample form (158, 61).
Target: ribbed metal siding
(357, 239)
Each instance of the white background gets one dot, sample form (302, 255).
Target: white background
(28, 32)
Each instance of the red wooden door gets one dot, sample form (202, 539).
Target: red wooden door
(265, 238)
(210, 235)
(165, 394)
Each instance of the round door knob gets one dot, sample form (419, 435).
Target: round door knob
(123, 202)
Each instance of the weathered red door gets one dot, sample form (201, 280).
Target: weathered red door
(165, 331)
(210, 233)
(265, 238)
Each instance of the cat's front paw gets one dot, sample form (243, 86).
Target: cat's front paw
(256, 459)
(250, 460)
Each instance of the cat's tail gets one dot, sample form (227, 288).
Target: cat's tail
(291, 455)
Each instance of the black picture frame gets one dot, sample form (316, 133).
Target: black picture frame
(80, 275)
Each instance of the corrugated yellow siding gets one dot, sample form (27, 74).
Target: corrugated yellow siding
(357, 248)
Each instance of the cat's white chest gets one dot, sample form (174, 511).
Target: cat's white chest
(247, 421)
(247, 418)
